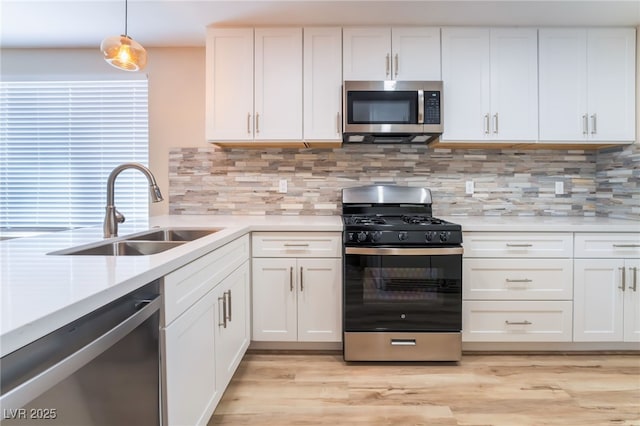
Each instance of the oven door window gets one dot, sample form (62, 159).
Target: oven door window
(403, 293)
(382, 107)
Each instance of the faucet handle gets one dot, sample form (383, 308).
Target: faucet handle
(119, 217)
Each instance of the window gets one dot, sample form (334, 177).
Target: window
(59, 140)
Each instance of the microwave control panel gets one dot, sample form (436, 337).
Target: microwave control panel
(431, 107)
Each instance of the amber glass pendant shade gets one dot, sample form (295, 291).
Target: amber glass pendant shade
(124, 53)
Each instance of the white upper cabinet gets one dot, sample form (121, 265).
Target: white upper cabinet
(587, 84)
(490, 84)
(278, 83)
(254, 84)
(382, 53)
(229, 84)
(322, 95)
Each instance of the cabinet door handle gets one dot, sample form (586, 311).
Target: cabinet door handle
(228, 292)
(338, 123)
(585, 125)
(622, 279)
(486, 124)
(626, 245)
(519, 245)
(525, 322)
(396, 64)
(523, 280)
(495, 123)
(249, 123)
(291, 278)
(257, 123)
(635, 278)
(224, 312)
(301, 280)
(594, 129)
(387, 66)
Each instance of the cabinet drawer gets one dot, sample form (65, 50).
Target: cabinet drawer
(518, 244)
(607, 245)
(183, 287)
(297, 244)
(517, 279)
(517, 321)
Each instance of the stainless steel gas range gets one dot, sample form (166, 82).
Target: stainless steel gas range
(402, 277)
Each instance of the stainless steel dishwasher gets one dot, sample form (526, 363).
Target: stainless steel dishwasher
(102, 369)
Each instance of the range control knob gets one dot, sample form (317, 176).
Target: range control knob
(402, 236)
(375, 236)
(429, 236)
(351, 236)
(362, 236)
(444, 236)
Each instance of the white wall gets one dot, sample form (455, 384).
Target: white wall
(176, 94)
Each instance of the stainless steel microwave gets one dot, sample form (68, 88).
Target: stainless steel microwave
(392, 111)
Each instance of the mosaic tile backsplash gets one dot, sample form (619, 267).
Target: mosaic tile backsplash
(211, 180)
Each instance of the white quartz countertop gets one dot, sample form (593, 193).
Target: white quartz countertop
(542, 224)
(40, 292)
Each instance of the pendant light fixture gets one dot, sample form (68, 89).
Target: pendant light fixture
(122, 51)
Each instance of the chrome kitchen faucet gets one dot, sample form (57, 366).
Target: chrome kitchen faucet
(112, 216)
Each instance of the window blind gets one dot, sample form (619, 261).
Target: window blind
(59, 140)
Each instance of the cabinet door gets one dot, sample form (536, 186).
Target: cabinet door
(632, 301)
(189, 381)
(366, 53)
(319, 300)
(278, 83)
(514, 84)
(563, 84)
(415, 53)
(322, 84)
(465, 76)
(598, 300)
(233, 332)
(274, 300)
(611, 84)
(229, 83)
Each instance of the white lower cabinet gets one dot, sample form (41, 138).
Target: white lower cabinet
(297, 300)
(203, 338)
(517, 287)
(297, 287)
(517, 321)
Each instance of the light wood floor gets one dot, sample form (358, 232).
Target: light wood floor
(580, 390)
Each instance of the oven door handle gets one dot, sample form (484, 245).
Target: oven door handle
(397, 251)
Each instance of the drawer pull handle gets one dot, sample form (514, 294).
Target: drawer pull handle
(523, 280)
(519, 245)
(518, 322)
(623, 279)
(626, 245)
(635, 279)
(296, 244)
(403, 342)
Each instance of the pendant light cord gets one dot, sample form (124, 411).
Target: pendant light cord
(125, 17)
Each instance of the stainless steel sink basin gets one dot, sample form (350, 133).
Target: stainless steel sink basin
(122, 248)
(173, 234)
(142, 244)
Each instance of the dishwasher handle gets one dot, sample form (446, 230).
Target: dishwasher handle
(37, 385)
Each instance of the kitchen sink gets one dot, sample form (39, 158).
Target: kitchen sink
(173, 234)
(142, 244)
(122, 248)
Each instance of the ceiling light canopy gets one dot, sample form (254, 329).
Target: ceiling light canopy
(122, 51)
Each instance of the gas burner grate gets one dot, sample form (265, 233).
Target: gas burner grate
(422, 220)
(365, 220)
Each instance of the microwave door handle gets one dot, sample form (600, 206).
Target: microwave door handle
(420, 106)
